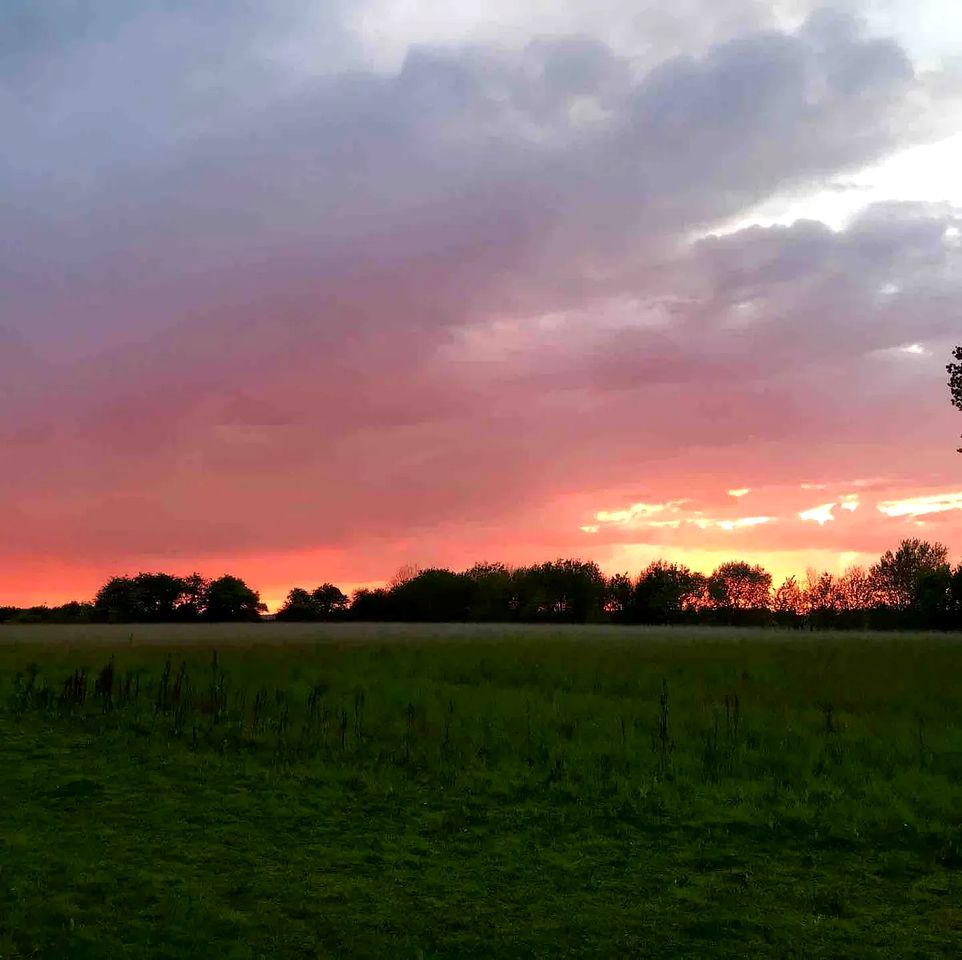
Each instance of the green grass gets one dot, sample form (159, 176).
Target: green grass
(479, 792)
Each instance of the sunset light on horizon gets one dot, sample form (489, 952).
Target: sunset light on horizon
(480, 479)
(312, 291)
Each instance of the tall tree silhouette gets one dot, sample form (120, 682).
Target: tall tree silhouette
(433, 595)
(230, 599)
(325, 602)
(740, 593)
(896, 576)
(954, 371)
(665, 593)
(149, 597)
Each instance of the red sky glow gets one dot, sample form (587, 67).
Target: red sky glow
(292, 295)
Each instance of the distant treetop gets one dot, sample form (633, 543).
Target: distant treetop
(955, 380)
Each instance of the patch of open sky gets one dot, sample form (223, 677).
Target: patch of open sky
(927, 174)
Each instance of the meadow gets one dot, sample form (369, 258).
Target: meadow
(375, 790)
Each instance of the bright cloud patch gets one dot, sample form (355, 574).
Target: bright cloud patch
(650, 516)
(850, 502)
(638, 512)
(740, 492)
(919, 506)
(736, 524)
(821, 514)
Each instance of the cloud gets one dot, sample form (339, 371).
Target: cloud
(638, 512)
(262, 299)
(824, 513)
(820, 515)
(736, 524)
(647, 517)
(912, 507)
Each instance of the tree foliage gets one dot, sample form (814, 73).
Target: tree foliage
(788, 603)
(151, 598)
(619, 597)
(165, 598)
(910, 587)
(954, 370)
(493, 597)
(229, 599)
(666, 593)
(433, 596)
(897, 575)
(559, 591)
(739, 592)
(326, 602)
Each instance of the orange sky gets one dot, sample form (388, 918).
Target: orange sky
(621, 539)
(305, 299)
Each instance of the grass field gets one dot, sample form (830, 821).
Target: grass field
(378, 791)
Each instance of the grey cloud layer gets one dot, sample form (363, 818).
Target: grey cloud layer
(557, 151)
(225, 285)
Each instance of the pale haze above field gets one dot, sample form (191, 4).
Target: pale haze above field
(309, 290)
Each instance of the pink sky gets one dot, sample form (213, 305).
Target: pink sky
(308, 311)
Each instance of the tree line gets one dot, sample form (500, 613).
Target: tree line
(153, 598)
(954, 370)
(913, 587)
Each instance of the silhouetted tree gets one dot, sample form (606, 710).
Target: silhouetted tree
(493, 598)
(740, 593)
(933, 605)
(367, 604)
(618, 597)
(193, 598)
(325, 602)
(823, 600)
(666, 593)
(145, 598)
(788, 604)
(955, 585)
(72, 612)
(297, 606)
(914, 586)
(331, 600)
(229, 599)
(116, 601)
(560, 591)
(857, 588)
(896, 575)
(954, 371)
(433, 596)
(407, 571)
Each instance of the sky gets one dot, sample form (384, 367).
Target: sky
(308, 291)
